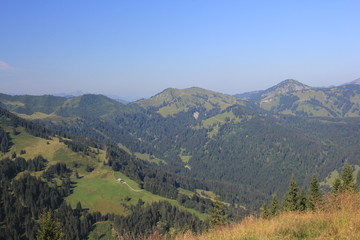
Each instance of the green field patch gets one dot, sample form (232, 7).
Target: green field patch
(109, 196)
(102, 231)
(186, 192)
(36, 115)
(33, 146)
(206, 194)
(171, 110)
(270, 103)
(102, 195)
(313, 111)
(124, 148)
(14, 103)
(184, 156)
(53, 150)
(220, 119)
(149, 158)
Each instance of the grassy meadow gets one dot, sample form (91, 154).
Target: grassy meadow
(337, 218)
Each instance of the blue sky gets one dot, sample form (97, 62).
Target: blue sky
(136, 49)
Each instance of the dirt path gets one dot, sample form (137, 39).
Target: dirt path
(131, 187)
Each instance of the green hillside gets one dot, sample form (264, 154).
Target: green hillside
(294, 98)
(172, 101)
(97, 189)
(51, 107)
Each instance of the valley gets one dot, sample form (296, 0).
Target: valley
(185, 147)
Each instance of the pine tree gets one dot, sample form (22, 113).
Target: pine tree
(348, 180)
(49, 229)
(314, 193)
(218, 216)
(337, 187)
(291, 202)
(274, 205)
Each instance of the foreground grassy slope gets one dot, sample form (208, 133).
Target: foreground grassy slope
(338, 218)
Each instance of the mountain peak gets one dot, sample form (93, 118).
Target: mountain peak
(288, 85)
(172, 101)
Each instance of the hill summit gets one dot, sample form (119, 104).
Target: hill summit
(286, 86)
(171, 101)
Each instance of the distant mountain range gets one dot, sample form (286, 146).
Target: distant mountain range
(294, 98)
(253, 143)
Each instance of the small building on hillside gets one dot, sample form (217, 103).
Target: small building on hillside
(120, 180)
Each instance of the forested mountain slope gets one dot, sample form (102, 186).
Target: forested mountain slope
(218, 138)
(45, 169)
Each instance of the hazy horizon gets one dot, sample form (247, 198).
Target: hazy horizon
(132, 99)
(137, 49)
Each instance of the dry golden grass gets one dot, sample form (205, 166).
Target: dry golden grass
(337, 218)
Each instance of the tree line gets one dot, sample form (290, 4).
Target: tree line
(297, 199)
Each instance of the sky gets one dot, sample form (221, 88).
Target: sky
(136, 49)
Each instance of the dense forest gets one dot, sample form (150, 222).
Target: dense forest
(24, 199)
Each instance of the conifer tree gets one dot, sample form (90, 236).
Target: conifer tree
(291, 201)
(348, 180)
(218, 216)
(274, 205)
(49, 229)
(314, 193)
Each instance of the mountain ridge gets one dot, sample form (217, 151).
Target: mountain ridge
(294, 98)
(172, 101)
(285, 86)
